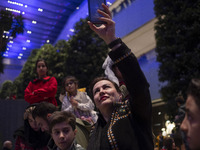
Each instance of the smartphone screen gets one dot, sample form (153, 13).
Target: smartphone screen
(93, 5)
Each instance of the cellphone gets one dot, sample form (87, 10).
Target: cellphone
(93, 5)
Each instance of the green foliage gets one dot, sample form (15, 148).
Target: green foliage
(86, 54)
(177, 45)
(81, 56)
(12, 23)
(8, 88)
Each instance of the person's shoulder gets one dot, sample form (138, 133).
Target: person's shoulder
(79, 147)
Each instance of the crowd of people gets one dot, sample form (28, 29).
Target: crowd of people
(122, 118)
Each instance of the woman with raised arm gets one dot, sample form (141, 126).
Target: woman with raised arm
(121, 125)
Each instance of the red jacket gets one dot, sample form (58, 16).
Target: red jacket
(40, 90)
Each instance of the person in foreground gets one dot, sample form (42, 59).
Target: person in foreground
(43, 112)
(62, 126)
(191, 122)
(121, 125)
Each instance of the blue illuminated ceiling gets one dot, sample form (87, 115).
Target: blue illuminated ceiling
(43, 19)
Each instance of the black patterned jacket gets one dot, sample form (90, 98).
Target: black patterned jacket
(130, 124)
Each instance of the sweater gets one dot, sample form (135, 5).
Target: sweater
(40, 90)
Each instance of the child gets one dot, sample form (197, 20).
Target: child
(62, 126)
(42, 114)
(77, 102)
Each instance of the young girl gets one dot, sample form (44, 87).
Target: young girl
(43, 88)
(77, 102)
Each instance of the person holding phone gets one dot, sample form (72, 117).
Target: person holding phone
(121, 125)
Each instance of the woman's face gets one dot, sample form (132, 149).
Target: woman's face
(70, 86)
(105, 94)
(33, 123)
(41, 69)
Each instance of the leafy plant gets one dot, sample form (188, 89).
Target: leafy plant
(177, 46)
(14, 25)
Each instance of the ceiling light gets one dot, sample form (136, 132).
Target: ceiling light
(20, 54)
(109, 3)
(28, 41)
(15, 3)
(19, 57)
(40, 9)
(48, 41)
(26, 6)
(34, 22)
(24, 48)
(6, 32)
(23, 13)
(13, 10)
(29, 32)
(5, 55)
(11, 37)
(10, 41)
(77, 7)
(72, 30)
(7, 49)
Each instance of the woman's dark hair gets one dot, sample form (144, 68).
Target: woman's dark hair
(34, 139)
(38, 60)
(194, 90)
(99, 79)
(168, 143)
(42, 109)
(71, 78)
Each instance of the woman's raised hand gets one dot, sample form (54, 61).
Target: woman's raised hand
(105, 31)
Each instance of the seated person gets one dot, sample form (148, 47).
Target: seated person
(42, 114)
(62, 126)
(77, 102)
(30, 136)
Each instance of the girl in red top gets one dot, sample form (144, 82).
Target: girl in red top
(42, 89)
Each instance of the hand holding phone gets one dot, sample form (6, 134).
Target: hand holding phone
(93, 6)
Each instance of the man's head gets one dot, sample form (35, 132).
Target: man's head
(191, 122)
(7, 144)
(41, 114)
(62, 126)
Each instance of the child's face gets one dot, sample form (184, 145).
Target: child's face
(70, 86)
(43, 124)
(63, 135)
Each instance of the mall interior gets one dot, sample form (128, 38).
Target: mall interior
(135, 20)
